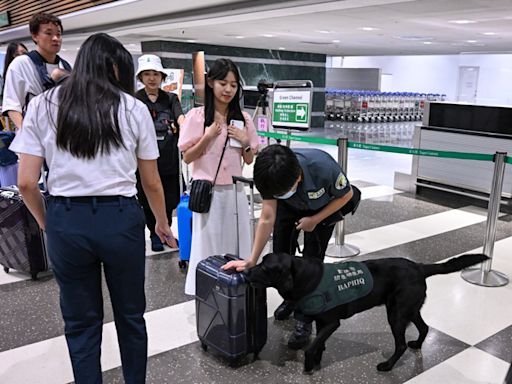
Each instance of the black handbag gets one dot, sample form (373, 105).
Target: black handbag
(201, 191)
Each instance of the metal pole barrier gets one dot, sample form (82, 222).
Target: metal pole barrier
(339, 249)
(485, 276)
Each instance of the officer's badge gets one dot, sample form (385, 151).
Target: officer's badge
(341, 181)
(317, 194)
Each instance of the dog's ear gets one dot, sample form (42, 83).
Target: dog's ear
(284, 262)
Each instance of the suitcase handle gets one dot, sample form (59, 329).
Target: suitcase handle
(229, 257)
(244, 180)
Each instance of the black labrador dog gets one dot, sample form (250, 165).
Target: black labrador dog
(398, 283)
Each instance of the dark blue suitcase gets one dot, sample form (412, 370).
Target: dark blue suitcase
(22, 243)
(231, 315)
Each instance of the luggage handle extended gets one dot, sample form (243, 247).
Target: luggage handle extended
(244, 180)
(250, 182)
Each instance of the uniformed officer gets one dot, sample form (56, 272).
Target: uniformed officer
(302, 189)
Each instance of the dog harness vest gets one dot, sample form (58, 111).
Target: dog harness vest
(341, 283)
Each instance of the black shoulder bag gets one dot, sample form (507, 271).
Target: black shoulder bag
(201, 190)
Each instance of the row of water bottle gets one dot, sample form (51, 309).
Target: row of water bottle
(375, 106)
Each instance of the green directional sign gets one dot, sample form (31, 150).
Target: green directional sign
(291, 109)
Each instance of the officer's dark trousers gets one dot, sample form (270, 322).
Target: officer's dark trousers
(285, 238)
(83, 234)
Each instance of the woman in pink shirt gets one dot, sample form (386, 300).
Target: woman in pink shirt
(204, 134)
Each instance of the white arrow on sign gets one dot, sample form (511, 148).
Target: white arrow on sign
(301, 112)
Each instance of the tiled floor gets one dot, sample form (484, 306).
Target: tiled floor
(470, 326)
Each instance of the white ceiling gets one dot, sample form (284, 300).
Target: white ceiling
(401, 27)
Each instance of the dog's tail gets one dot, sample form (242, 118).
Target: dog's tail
(453, 265)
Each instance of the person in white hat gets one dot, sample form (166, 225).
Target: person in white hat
(167, 117)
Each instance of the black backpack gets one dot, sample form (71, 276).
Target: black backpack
(46, 80)
(167, 139)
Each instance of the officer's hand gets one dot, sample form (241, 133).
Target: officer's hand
(239, 265)
(307, 224)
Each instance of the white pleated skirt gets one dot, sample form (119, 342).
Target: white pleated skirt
(215, 232)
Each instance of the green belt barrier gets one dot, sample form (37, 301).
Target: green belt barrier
(307, 139)
(385, 148)
(423, 152)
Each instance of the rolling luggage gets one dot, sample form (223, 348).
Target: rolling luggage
(184, 215)
(231, 315)
(22, 243)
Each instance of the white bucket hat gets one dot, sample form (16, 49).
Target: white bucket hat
(150, 63)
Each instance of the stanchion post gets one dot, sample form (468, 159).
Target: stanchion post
(485, 276)
(339, 249)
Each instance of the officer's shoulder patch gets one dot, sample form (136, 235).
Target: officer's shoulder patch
(341, 181)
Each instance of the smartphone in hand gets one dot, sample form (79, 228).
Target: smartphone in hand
(234, 143)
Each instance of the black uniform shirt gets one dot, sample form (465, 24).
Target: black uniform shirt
(322, 180)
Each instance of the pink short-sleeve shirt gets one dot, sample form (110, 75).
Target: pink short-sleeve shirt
(205, 166)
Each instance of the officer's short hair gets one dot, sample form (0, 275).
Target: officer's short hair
(276, 170)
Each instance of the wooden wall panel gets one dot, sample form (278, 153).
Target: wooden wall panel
(20, 11)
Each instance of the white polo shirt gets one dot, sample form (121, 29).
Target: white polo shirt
(106, 174)
(21, 79)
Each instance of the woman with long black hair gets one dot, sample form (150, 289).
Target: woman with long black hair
(205, 143)
(93, 134)
(13, 50)
(8, 159)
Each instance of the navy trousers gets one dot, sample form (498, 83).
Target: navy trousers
(83, 235)
(285, 235)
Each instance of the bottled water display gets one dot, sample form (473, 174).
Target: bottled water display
(375, 106)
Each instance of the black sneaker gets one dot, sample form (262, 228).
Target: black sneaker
(300, 336)
(156, 244)
(284, 310)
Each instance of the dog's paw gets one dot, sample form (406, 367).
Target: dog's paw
(414, 344)
(384, 367)
(309, 365)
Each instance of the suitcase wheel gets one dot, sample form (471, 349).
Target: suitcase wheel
(33, 275)
(6, 269)
(204, 346)
(234, 363)
(183, 264)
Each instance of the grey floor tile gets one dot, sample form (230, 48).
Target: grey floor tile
(442, 246)
(374, 213)
(351, 357)
(499, 345)
(31, 312)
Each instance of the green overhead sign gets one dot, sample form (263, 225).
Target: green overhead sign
(4, 19)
